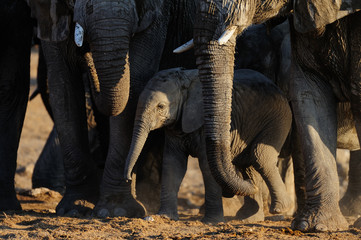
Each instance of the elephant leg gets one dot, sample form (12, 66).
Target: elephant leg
(351, 202)
(298, 169)
(173, 170)
(213, 193)
(14, 91)
(314, 108)
(265, 162)
(253, 207)
(117, 197)
(66, 92)
(49, 168)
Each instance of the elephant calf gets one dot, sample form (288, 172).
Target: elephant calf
(261, 120)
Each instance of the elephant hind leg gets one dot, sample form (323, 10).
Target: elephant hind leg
(253, 208)
(265, 162)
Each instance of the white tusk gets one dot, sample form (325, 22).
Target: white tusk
(185, 47)
(78, 35)
(227, 35)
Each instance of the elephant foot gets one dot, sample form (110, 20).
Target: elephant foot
(320, 219)
(78, 200)
(9, 202)
(351, 205)
(251, 211)
(281, 205)
(173, 215)
(119, 205)
(213, 218)
(249, 215)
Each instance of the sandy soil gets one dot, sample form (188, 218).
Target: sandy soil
(38, 219)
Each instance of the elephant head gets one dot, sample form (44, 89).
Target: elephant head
(170, 96)
(217, 24)
(108, 26)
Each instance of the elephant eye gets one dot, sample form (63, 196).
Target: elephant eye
(161, 106)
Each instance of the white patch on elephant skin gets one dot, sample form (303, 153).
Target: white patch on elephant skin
(78, 35)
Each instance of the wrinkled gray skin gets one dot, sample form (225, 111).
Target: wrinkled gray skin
(125, 43)
(129, 42)
(67, 74)
(15, 43)
(261, 119)
(326, 71)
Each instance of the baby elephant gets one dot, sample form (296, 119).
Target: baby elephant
(261, 120)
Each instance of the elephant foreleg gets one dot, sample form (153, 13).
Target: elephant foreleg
(174, 168)
(314, 108)
(66, 92)
(213, 193)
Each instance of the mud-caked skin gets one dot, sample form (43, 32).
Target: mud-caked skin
(325, 40)
(15, 43)
(261, 120)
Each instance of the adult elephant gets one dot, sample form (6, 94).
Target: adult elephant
(327, 70)
(124, 43)
(15, 43)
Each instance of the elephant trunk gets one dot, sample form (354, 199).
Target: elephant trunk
(215, 64)
(140, 135)
(109, 68)
(108, 35)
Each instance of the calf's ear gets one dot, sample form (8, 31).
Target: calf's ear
(312, 14)
(53, 18)
(192, 115)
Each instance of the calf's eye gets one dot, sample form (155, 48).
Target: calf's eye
(161, 106)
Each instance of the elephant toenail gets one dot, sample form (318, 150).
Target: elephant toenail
(149, 219)
(119, 212)
(60, 212)
(277, 210)
(321, 228)
(303, 226)
(103, 213)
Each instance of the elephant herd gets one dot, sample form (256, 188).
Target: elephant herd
(152, 109)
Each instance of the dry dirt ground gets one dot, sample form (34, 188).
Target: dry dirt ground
(38, 219)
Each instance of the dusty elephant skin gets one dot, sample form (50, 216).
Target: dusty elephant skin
(326, 71)
(261, 119)
(15, 46)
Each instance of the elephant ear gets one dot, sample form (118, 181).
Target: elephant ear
(192, 114)
(53, 17)
(312, 14)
